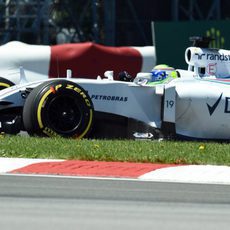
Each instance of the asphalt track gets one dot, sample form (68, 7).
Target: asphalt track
(37, 202)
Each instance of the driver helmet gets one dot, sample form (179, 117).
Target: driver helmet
(170, 71)
(158, 75)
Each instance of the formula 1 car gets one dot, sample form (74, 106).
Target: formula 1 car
(193, 103)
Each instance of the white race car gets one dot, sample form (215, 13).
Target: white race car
(193, 103)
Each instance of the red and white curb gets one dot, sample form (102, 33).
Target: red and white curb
(141, 171)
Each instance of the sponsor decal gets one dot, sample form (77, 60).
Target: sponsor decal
(49, 132)
(212, 68)
(213, 57)
(143, 136)
(109, 98)
(199, 56)
(227, 105)
(212, 108)
(80, 92)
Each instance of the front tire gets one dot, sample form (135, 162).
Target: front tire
(5, 83)
(58, 108)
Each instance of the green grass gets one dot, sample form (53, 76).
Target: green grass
(116, 150)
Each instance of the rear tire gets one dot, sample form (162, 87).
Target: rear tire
(58, 108)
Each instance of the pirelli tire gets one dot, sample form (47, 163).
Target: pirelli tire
(5, 83)
(58, 108)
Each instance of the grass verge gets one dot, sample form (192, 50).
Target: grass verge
(116, 150)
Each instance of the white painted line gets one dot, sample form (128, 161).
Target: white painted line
(208, 174)
(112, 178)
(72, 177)
(10, 164)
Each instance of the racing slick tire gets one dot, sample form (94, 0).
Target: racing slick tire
(5, 83)
(58, 108)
